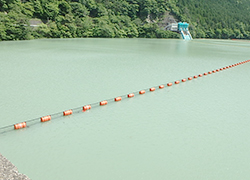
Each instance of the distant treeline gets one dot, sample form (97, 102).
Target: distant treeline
(122, 18)
(82, 18)
(222, 19)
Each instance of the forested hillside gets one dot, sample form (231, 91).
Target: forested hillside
(214, 18)
(31, 19)
(82, 18)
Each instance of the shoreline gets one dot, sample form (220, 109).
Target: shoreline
(9, 171)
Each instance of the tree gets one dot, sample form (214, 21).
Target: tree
(50, 10)
(79, 10)
(64, 8)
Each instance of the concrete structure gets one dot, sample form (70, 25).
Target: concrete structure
(182, 28)
(8, 171)
(172, 27)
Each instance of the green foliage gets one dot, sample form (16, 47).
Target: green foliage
(152, 31)
(214, 19)
(79, 10)
(14, 26)
(122, 18)
(64, 8)
(28, 9)
(82, 18)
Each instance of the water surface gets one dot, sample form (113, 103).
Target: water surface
(194, 130)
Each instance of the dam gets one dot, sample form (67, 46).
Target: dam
(182, 28)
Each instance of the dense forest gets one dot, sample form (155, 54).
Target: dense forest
(32, 19)
(222, 19)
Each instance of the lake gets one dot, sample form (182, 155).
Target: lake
(194, 130)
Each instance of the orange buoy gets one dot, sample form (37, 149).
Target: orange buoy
(170, 84)
(152, 89)
(161, 86)
(87, 107)
(142, 92)
(118, 98)
(227, 67)
(190, 78)
(200, 75)
(217, 70)
(195, 76)
(230, 66)
(45, 118)
(68, 112)
(205, 74)
(210, 72)
(221, 69)
(20, 125)
(183, 80)
(224, 67)
(177, 82)
(102, 103)
(131, 95)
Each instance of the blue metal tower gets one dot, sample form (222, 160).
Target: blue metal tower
(183, 29)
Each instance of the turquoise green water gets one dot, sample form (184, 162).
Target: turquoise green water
(194, 130)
